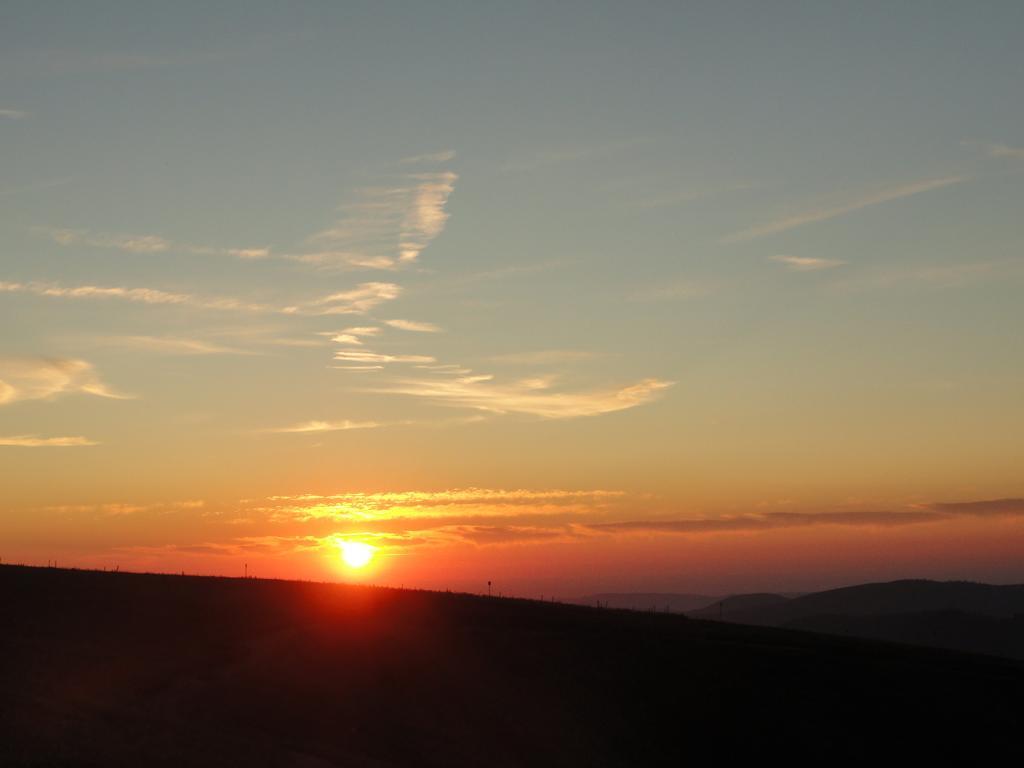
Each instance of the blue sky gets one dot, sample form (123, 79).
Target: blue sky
(688, 243)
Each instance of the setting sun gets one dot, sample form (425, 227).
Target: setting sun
(356, 554)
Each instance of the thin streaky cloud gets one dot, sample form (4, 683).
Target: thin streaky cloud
(174, 345)
(353, 335)
(366, 356)
(448, 369)
(34, 441)
(443, 156)
(327, 426)
(922, 513)
(389, 499)
(302, 343)
(384, 227)
(137, 295)
(1002, 150)
(426, 216)
(13, 114)
(979, 508)
(355, 301)
(130, 243)
(823, 214)
(245, 254)
(147, 244)
(346, 338)
(413, 325)
(342, 258)
(538, 382)
(770, 521)
(358, 300)
(807, 263)
(118, 509)
(47, 378)
(249, 253)
(399, 519)
(479, 394)
(356, 330)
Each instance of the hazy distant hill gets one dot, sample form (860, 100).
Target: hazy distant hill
(739, 605)
(955, 614)
(103, 669)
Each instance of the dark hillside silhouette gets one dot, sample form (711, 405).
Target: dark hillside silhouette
(941, 629)
(647, 601)
(105, 669)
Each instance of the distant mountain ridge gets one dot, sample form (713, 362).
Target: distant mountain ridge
(906, 596)
(957, 615)
(960, 615)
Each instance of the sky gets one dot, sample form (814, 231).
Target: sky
(573, 298)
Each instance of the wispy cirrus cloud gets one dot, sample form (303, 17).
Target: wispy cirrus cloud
(1002, 150)
(385, 227)
(326, 426)
(400, 520)
(34, 441)
(130, 243)
(823, 214)
(120, 508)
(146, 244)
(807, 263)
(246, 254)
(358, 300)
(382, 228)
(399, 511)
(413, 325)
(48, 378)
(426, 216)
(921, 513)
(346, 338)
(987, 507)
(13, 114)
(443, 156)
(768, 521)
(387, 499)
(353, 335)
(136, 295)
(366, 356)
(480, 393)
(172, 345)
(996, 149)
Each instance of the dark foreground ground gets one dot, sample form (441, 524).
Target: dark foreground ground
(148, 670)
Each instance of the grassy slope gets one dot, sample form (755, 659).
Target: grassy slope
(120, 669)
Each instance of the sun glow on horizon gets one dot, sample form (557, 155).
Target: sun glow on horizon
(356, 554)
